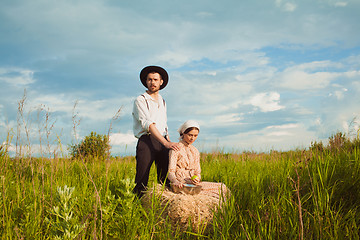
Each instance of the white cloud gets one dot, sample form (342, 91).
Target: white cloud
(285, 126)
(206, 93)
(10, 147)
(37, 150)
(17, 76)
(352, 74)
(267, 102)
(339, 94)
(122, 139)
(54, 102)
(173, 58)
(281, 130)
(86, 106)
(204, 14)
(228, 119)
(301, 80)
(281, 137)
(341, 4)
(279, 134)
(308, 76)
(286, 6)
(345, 126)
(289, 7)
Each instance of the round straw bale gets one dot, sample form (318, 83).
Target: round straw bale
(182, 209)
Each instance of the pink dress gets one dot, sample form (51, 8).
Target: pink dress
(185, 163)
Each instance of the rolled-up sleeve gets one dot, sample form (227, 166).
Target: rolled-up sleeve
(142, 114)
(147, 111)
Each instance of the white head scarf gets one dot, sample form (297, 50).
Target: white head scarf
(188, 124)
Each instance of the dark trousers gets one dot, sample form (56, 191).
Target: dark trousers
(148, 150)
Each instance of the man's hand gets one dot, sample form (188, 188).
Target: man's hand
(172, 145)
(169, 145)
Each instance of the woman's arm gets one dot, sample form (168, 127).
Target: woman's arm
(196, 178)
(172, 168)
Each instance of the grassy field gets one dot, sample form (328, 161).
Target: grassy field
(312, 194)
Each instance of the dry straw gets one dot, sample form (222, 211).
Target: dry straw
(183, 210)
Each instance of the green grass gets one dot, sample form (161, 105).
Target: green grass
(281, 195)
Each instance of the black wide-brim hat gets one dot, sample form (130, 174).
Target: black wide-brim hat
(150, 69)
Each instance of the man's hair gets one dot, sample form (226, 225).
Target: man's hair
(154, 72)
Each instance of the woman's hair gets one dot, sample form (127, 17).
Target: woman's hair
(188, 130)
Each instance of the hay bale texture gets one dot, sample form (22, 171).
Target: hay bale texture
(182, 209)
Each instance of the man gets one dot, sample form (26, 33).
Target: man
(150, 127)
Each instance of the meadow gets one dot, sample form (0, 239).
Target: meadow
(299, 194)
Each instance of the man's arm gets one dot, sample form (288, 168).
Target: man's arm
(170, 145)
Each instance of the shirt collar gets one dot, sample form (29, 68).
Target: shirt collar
(148, 97)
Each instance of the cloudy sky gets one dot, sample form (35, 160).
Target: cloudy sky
(258, 75)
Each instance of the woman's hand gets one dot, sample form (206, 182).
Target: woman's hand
(178, 184)
(195, 180)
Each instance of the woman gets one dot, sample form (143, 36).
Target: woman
(184, 164)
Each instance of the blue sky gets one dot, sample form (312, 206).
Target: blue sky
(257, 75)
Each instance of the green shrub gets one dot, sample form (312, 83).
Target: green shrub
(317, 146)
(338, 142)
(93, 145)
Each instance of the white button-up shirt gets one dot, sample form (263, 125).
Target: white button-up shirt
(147, 111)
